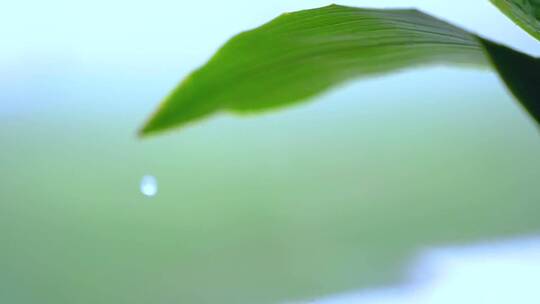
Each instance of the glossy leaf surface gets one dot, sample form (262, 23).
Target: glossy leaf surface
(302, 54)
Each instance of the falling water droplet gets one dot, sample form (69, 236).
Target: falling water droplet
(149, 186)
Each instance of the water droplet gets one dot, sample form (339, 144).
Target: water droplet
(149, 186)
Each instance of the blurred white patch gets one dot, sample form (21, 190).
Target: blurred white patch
(149, 185)
(502, 272)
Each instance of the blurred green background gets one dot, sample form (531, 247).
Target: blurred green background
(323, 198)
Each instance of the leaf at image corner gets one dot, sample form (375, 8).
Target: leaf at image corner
(525, 13)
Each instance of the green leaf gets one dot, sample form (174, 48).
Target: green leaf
(299, 55)
(525, 13)
(520, 72)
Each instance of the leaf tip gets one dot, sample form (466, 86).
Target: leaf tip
(153, 124)
(146, 129)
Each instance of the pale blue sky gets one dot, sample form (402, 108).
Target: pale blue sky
(123, 32)
(67, 50)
